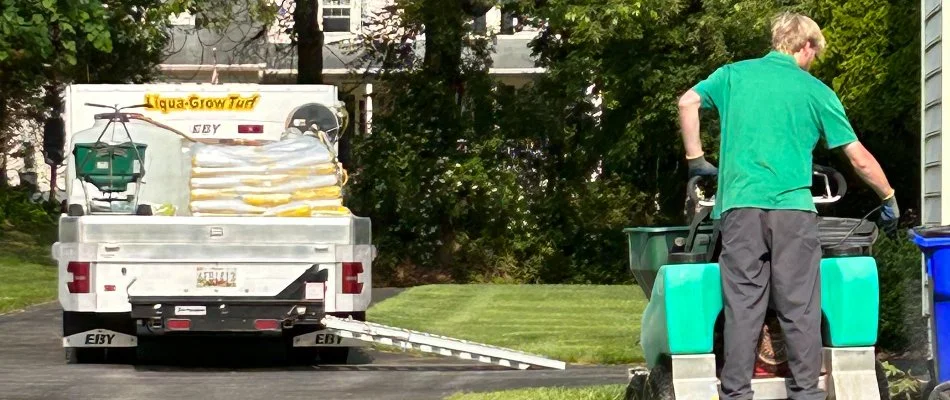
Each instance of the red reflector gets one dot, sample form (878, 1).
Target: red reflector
(250, 128)
(350, 277)
(110, 288)
(266, 324)
(80, 281)
(178, 324)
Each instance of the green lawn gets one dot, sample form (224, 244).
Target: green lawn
(27, 273)
(606, 392)
(582, 324)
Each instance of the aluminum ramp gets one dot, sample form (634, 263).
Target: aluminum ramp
(446, 346)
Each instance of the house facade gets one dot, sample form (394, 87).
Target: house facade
(245, 54)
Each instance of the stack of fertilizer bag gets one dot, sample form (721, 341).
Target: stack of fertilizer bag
(298, 176)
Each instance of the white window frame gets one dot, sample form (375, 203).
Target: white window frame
(354, 17)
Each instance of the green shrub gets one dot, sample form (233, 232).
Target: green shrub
(902, 328)
(18, 209)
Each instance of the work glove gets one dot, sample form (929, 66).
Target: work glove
(699, 166)
(890, 214)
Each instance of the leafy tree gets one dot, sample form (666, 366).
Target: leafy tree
(640, 57)
(46, 44)
(605, 108)
(872, 62)
(39, 39)
(432, 175)
(485, 182)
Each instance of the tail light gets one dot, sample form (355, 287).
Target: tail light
(80, 281)
(351, 283)
(250, 128)
(266, 324)
(178, 324)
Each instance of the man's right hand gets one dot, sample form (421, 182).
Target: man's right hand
(890, 215)
(700, 167)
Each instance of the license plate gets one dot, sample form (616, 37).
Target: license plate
(217, 277)
(190, 310)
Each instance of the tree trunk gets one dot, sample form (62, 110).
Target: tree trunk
(5, 124)
(444, 22)
(444, 30)
(309, 42)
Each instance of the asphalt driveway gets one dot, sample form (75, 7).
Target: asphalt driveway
(32, 366)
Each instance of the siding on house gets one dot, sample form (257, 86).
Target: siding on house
(934, 205)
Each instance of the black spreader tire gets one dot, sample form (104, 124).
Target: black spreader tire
(635, 388)
(940, 392)
(659, 385)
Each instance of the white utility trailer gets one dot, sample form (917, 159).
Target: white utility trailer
(125, 274)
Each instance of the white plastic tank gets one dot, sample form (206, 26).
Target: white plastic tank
(167, 166)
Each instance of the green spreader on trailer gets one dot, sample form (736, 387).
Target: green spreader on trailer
(682, 324)
(112, 167)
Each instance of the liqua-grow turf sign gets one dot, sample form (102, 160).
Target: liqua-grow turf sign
(194, 102)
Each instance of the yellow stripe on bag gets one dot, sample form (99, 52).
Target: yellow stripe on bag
(302, 210)
(266, 200)
(324, 193)
(319, 169)
(329, 210)
(213, 194)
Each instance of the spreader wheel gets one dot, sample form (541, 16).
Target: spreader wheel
(940, 392)
(659, 385)
(636, 384)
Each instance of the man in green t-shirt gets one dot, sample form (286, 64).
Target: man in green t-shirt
(773, 113)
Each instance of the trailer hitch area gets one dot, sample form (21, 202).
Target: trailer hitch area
(132, 281)
(295, 315)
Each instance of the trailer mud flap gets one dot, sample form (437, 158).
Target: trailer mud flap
(100, 338)
(326, 338)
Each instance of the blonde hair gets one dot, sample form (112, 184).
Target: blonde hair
(790, 32)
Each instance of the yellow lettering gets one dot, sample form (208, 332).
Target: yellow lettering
(194, 102)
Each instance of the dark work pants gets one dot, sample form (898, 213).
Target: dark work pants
(770, 259)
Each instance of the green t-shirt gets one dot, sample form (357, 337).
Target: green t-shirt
(772, 114)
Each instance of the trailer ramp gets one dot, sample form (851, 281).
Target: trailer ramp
(429, 343)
